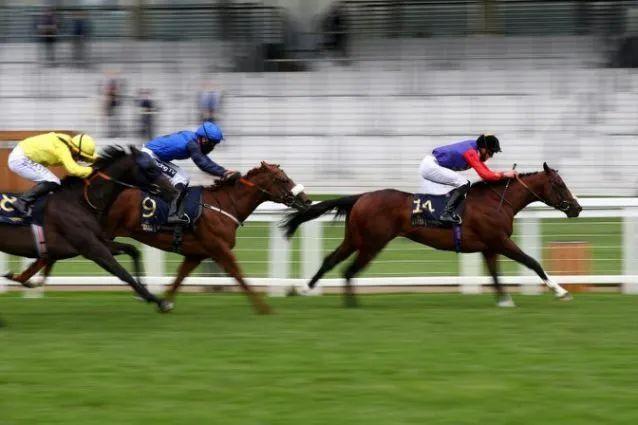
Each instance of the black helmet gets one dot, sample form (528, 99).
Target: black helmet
(488, 141)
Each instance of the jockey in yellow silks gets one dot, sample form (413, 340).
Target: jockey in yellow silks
(31, 156)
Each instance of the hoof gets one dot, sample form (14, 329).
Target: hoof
(165, 306)
(306, 291)
(506, 302)
(565, 297)
(265, 310)
(350, 301)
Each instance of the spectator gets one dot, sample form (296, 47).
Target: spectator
(336, 31)
(208, 103)
(112, 91)
(147, 111)
(80, 34)
(47, 30)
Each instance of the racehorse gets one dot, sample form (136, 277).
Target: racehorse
(226, 207)
(74, 215)
(375, 218)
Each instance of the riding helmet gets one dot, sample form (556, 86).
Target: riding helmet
(211, 132)
(84, 145)
(490, 142)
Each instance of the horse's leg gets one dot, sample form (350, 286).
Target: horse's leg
(512, 251)
(118, 248)
(502, 298)
(223, 256)
(188, 265)
(362, 259)
(99, 252)
(342, 252)
(24, 277)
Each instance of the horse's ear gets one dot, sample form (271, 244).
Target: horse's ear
(263, 163)
(546, 168)
(134, 150)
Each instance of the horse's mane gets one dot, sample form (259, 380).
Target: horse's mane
(220, 184)
(485, 183)
(107, 156)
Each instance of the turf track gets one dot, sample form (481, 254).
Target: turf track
(401, 359)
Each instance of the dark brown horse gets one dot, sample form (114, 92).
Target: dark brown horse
(74, 216)
(226, 206)
(375, 218)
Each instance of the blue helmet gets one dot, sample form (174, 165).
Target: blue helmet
(211, 132)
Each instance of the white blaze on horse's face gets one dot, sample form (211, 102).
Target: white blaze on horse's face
(297, 189)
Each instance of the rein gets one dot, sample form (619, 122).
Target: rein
(529, 189)
(87, 184)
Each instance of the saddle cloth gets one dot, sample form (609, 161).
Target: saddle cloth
(9, 215)
(427, 210)
(154, 210)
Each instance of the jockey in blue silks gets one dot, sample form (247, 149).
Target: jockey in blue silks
(187, 144)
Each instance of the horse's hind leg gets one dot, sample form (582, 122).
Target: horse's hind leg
(188, 265)
(226, 259)
(362, 259)
(502, 298)
(512, 251)
(342, 252)
(24, 277)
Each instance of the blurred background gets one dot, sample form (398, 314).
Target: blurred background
(348, 96)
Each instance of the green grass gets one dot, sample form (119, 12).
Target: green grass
(403, 359)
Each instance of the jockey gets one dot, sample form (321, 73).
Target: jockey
(439, 171)
(31, 156)
(182, 145)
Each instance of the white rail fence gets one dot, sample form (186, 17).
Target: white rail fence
(470, 279)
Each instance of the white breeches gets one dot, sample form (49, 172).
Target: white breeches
(170, 170)
(26, 168)
(437, 180)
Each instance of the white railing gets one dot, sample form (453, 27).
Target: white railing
(469, 280)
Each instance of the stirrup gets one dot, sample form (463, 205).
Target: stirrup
(175, 219)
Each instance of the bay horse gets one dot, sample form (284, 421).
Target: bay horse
(74, 217)
(226, 207)
(375, 218)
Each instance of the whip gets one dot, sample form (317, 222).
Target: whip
(500, 204)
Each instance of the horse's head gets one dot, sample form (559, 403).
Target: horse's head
(135, 169)
(557, 195)
(277, 186)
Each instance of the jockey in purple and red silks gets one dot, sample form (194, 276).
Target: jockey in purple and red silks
(439, 171)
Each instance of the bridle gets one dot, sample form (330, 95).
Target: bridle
(152, 188)
(289, 199)
(561, 206)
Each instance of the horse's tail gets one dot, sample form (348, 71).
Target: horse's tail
(295, 219)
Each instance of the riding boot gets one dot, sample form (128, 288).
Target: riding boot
(23, 203)
(175, 214)
(449, 214)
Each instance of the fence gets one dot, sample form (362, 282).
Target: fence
(611, 224)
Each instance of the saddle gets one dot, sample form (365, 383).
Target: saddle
(9, 215)
(154, 210)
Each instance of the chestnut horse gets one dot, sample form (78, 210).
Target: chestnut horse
(375, 218)
(225, 207)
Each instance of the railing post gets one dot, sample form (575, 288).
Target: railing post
(630, 250)
(471, 266)
(153, 266)
(311, 250)
(531, 243)
(4, 268)
(279, 249)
